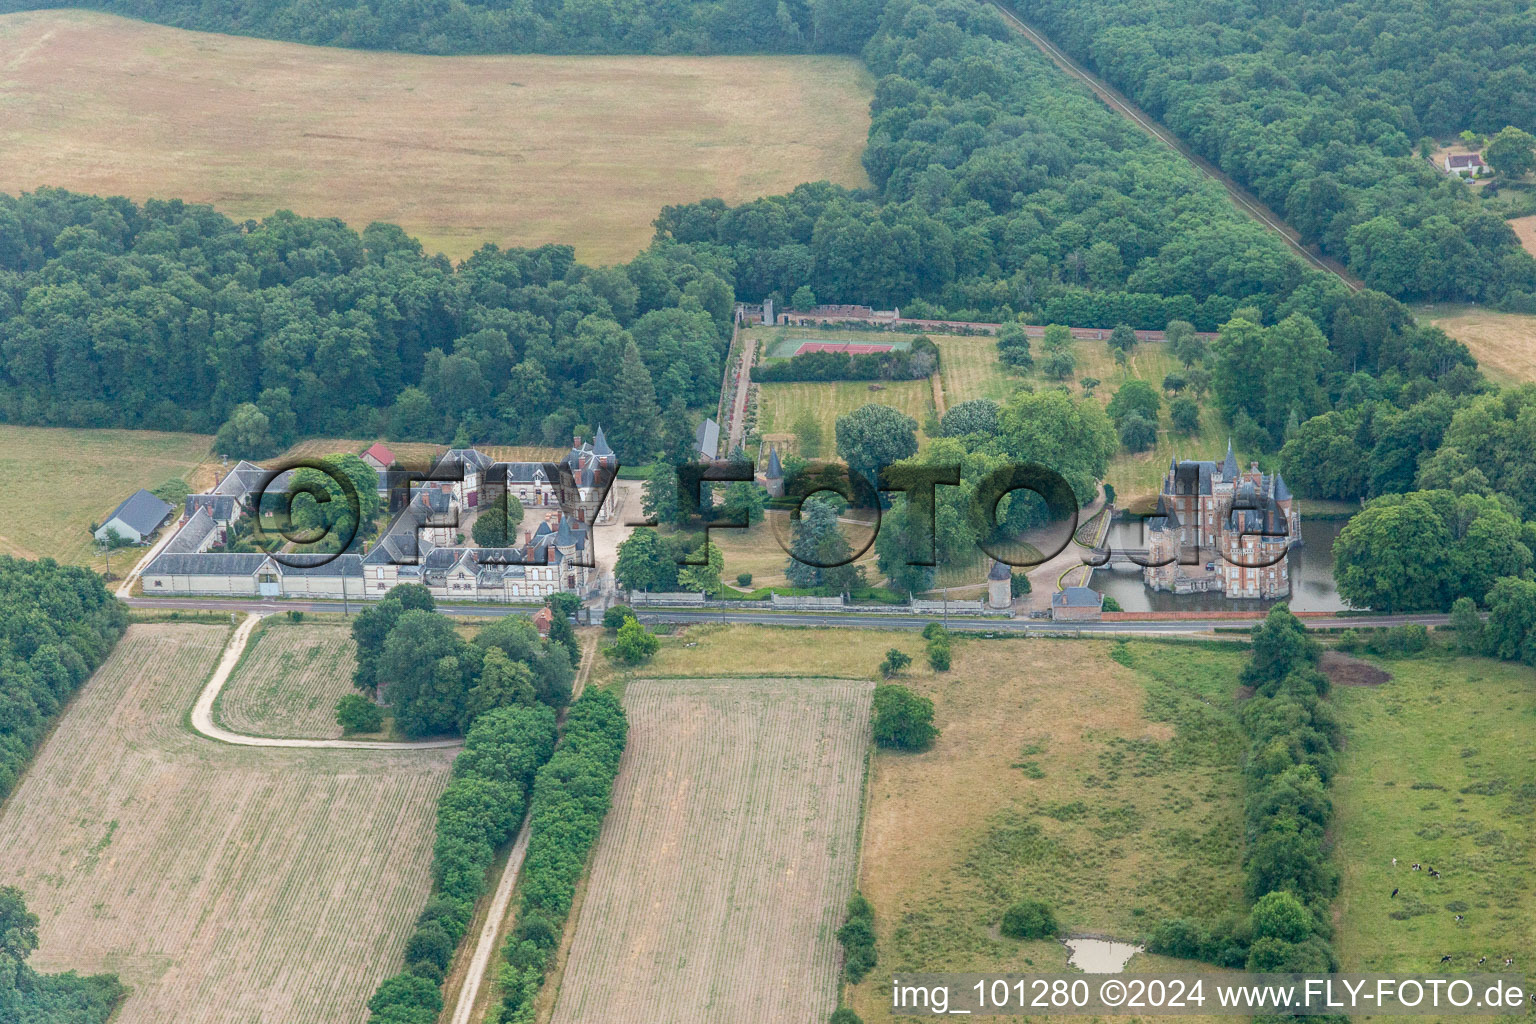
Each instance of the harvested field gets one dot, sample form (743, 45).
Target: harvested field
(459, 151)
(61, 480)
(1503, 343)
(225, 885)
(728, 856)
(288, 682)
(1525, 230)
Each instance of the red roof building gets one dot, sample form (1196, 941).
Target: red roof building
(379, 457)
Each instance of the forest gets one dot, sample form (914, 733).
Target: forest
(492, 26)
(57, 623)
(1323, 110)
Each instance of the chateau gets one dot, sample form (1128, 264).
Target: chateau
(424, 542)
(1219, 528)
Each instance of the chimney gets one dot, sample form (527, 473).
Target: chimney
(576, 441)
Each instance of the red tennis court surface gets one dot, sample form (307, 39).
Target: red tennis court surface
(852, 347)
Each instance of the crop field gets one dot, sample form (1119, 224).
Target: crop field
(1437, 772)
(225, 885)
(60, 480)
(1503, 343)
(1112, 792)
(288, 682)
(781, 405)
(728, 856)
(459, 151)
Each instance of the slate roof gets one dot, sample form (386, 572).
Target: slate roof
(775, 468)
(999, 571)
(241, 480)
(706, 440)
(1465, 160)
(312, 565)
(206, 563)
(142, 511)
(192, 534)
(1229, 470)
(1077, 597)
(220, 506)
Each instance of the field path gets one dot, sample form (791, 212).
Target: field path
(737, 427)
(487, 943)
(202, 711)
(1241, 197)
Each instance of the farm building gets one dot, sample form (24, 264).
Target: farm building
(140, 515)
(423, 544)
(706, 440)
(1077, 604)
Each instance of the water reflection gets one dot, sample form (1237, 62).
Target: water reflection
(1312, 586)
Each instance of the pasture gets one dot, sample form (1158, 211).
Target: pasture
(1504, 344)
(61, 480)
(727, 858)
(288, 682)
(1103, 778)
(225, 885)
(459, 151)
(1525, 230)
(1437, 772)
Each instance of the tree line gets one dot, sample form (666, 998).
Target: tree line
(1293, 744)
(57, 623)
(486, 26)
(570, 799)
(477, 814)
(27, 997)
(1319, 108)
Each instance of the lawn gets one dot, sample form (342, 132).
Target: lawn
(727, 858)
(289, 680)
(781, 405)
(1103, 779)
(225, 885)
(1438, 771)
(60, 481)
(1504, 344)
(460, 151)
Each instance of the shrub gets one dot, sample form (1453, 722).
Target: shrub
(857, 936)
(614, 617)
(844, 1016)
(356, 713)
(939, 654)
(743, 579)
(1018, 584)
(633, 644)
(1028, 919)
(902, 719)
(895, 661)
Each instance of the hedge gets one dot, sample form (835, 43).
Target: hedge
(478, 812)
(570, 799)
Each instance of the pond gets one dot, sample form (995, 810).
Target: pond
(1100, 956)
(1312, 585)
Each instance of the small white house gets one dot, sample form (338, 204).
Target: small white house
(140, 515)
(1469, 165)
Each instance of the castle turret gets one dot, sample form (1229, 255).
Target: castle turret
(773, 476)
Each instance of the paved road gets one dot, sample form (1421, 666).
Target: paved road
(855, 620)
(202, 711)
(850, 620)
(1245, 200)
